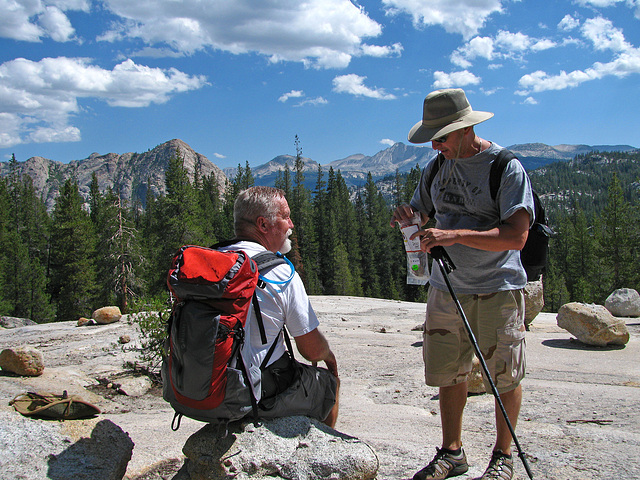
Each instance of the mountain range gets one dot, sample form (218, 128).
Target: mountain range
(132, 175)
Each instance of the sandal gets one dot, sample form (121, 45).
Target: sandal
(50, 405)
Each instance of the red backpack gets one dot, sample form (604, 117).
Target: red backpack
(204, 374)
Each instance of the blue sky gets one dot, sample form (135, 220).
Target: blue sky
(238, 79)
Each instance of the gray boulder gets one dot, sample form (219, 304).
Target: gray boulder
(295, 448)
(15, 322)
(70, 450)
(592, 324)
(624, 302)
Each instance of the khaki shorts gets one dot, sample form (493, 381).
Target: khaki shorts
(497, 321)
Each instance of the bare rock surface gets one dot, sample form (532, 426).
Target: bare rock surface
(295, 448)
(579, 413)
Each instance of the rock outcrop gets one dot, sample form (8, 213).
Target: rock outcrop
(79, 449)
(296, 448)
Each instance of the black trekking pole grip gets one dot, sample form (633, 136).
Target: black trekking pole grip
(438, 257)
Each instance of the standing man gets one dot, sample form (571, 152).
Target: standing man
(483, 238)
(262, 221)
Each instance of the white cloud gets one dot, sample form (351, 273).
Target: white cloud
(354, 85)
(292, 94)
(313, 101)
(505, 45)
(56, 24)
(568, 23)
(633, 4)
(604, 37)
(318, 33)
(455, 79)
(32, 20)
(464, 17)
(219, 155)
(383, 51)
(38, 99)
(530, 101)
(388, 141)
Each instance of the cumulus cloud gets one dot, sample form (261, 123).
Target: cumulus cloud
(33, 20)
(292, 94)
(318, 33)
(464, 17)
(388, 142)
(38, 99)
(604, 37)
(568, 23)
(354, 85)
(505, 45)
(455, 79)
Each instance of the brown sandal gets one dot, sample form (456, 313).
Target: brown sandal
(50, 405)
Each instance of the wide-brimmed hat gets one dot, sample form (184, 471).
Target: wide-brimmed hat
(445, 111)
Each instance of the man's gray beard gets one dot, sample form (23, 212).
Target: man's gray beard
(286, 245)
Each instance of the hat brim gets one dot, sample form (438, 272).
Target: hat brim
(421, 134)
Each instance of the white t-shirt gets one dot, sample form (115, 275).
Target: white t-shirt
(286, 303)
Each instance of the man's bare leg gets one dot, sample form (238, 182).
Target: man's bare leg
(511, 401)
(452, 402)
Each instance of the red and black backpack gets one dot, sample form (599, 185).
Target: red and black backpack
(204, 374)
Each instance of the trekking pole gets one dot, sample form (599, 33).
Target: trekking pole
(443, 260)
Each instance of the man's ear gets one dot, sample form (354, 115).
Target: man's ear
(262, 224)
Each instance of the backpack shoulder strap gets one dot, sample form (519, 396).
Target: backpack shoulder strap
(432, 174)
(266, 260)
(497, 168)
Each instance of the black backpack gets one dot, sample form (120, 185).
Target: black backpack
(536, 249)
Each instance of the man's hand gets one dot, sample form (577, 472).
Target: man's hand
(315, 348)
(402, 214)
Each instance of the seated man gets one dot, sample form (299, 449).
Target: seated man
(262, 222)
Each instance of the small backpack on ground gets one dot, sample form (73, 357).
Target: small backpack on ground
(536, 249)
(204, 374)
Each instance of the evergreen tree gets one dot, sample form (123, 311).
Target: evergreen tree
(72, 271)
(177, 222)
(617, 244)
(24, 242)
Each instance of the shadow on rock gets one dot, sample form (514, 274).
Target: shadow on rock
(104, 455)
(573, 344)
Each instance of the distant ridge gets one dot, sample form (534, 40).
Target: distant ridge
(131, 175)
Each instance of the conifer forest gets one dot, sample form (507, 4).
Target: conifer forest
(62, 265)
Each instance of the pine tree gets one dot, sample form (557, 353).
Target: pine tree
(616, 243)
(72, 270)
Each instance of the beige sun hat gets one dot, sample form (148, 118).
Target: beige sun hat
(445, 111)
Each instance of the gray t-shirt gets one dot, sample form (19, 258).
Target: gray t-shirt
(460, 192)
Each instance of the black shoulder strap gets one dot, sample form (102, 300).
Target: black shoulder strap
(497, 168)
(432, 174)
(264, 261)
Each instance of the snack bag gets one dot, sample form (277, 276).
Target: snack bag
(417, 261)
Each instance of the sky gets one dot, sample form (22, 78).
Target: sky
(238, 80)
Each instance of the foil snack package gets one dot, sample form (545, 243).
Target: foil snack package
(417, 260)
